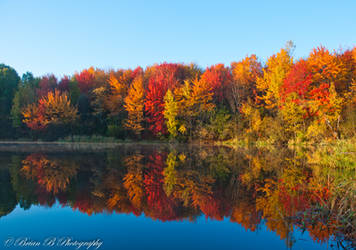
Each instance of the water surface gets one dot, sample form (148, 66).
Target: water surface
(157, 197)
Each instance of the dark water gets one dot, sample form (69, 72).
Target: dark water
(144, 197)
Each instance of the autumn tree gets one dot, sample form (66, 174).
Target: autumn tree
(86, 80)
(170, 113)
(188, 104)
(326, 91)
(118, 86)
(201, 98)
(55, 109)
(163, 77)
(134, 105)
(243, 86)
(277, 67)
(46, 84)
(327, 68)
(295, 101)
(349, 109)
(219, 78)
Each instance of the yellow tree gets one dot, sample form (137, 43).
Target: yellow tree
(187, 104)
(118, 88)
(274, 73)
(134, 105)
(201, 97)
(178, 109)
(170, 113)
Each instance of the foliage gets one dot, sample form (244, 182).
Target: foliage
(244, 74)
(134, 105)
(164, 77)
(218, 77)
(277, 67)
(55, 108)
(306, 100)
(288, 192)
(170, 113)
(9, 81)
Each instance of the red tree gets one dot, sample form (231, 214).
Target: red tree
(47, 84)
(219, 77)
(297, 81)
(163, 77)
(86, 80)
(63, 84)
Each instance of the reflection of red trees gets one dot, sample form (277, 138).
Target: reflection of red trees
(299, 204)
(299, 198)
(213, 205)
(83, 202)
(140, 189)
(159, 204)
(44, 197)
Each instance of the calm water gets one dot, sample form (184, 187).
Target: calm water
(164, 198)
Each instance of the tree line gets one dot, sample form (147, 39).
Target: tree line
(283, 99)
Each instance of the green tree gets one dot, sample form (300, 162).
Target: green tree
(9, 80)
(25, 95)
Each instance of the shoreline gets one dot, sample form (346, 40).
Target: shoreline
(57, 146)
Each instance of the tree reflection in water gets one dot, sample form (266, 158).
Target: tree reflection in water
(283, 189)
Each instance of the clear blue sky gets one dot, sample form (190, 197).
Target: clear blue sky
(64, 36)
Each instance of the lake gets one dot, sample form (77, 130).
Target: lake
(172, 197)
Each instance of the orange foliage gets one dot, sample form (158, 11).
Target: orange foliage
(55, 108)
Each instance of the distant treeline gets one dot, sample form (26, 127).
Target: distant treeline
(308, 99)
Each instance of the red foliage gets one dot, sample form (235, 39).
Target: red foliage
(299, 198)
(214, 205)
(83, 203)
(219, 77)
(86, 80)
(297, 81)
(165, 76)
(300, 81)
(136, 72)
(63, 84)
(47, 83)
(39, 116)
(160, 205)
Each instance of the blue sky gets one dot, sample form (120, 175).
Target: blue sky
(64, 36)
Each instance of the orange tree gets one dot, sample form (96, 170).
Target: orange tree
(54, 109)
